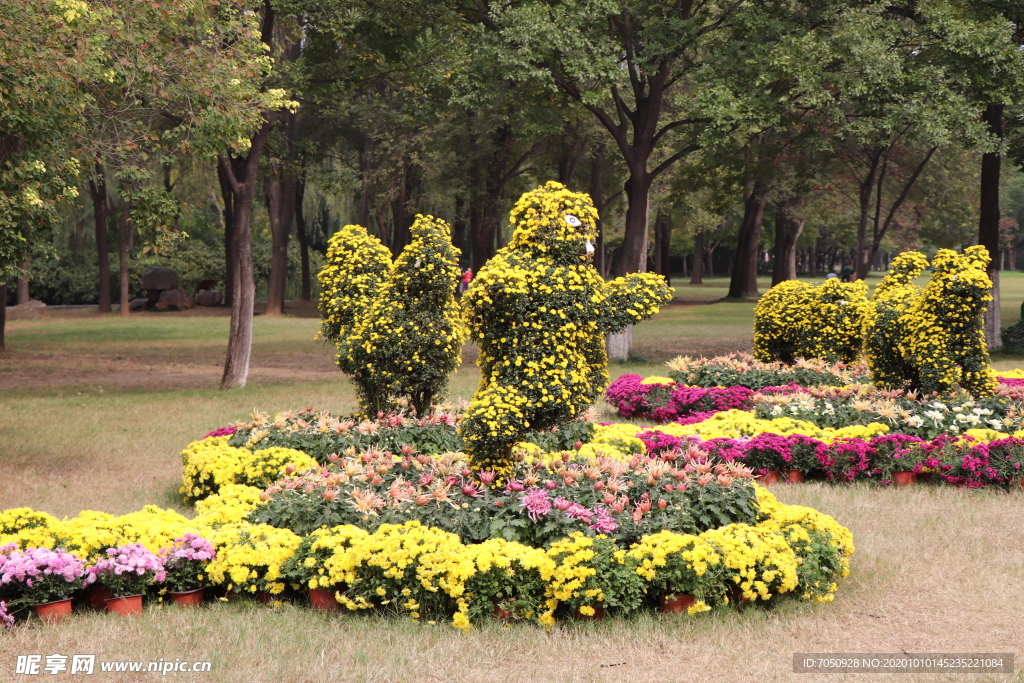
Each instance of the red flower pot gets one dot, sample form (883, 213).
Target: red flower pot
(679, 602)
(770, 477)
(264, 597)
(598, 614)
(904, 478)
(323, 599)
(53, 612)
(794, 476)
(127, 606)
(97, 595)
(192, 598)
(501, 613)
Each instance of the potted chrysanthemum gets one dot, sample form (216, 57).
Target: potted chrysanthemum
(42, 578)
(185, 566)
(127, 571)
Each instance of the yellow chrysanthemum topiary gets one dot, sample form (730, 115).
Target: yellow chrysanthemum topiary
(409, 340)
(895, 294)
(943, 338)
(539, 311)
(797, 320)
(250, 556)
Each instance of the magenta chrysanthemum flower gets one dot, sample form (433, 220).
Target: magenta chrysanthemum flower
(536, 503)
(604, 523)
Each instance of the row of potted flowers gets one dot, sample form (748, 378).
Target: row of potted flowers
(46, 579)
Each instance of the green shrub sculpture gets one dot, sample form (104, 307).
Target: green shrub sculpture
(883, 327)
(539, 311)
(397, 326)
(944, 329)
(798, 320)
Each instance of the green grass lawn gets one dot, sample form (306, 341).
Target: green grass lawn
(936, 569)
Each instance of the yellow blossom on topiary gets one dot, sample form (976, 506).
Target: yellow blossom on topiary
(249, 557)
(357, 266)
(231, 504)
(209, 464)
(797, 320)
(539, 311)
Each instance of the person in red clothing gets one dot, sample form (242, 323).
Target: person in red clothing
(464, 282)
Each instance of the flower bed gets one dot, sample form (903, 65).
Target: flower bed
(580, 531)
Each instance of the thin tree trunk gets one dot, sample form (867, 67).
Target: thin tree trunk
(100, 207)
(303, 237)
(697, 274)
(666, 249)
(988, 222)
(744, 266)
(711, 261)
(80, 237)
(597, 197)
(632, 257)
(459, 228)
(789, 224)
(123, 224)
(22, 295)
(400, 214)
(659, 241)
(228, 219)
(365, 167)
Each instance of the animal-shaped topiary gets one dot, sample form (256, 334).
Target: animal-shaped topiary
(539, 311)
(798, 320)
(883, 330)
(397, 326)
(944, 335)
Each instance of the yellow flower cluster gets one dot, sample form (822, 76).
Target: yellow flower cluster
(409, 339)
(249, 556)
(356, 268)
(231, 504)
(539, 311)
(210, 464)
(797, 320)
(943, 340)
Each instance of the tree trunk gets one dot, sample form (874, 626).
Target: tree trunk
(300, 233)
(400, 215)
(988, 222)
(365, 167)
(80, 237)
(697, 274)
(100, 207)
(711, 261)
(744, 265)
(483, 223)
(22, 295)
(228, 219)
(280, 198)
(620, 344)
(459, 228)
(788, 226)
(632, 258)
(659, 237)
(123, 224)
(666, 251)
(597, 197)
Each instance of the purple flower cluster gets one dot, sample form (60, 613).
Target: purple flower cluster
(129, 560)
(223, 431)
(537, 504)
(35, 565)
(190, 547)
(1011, 381)
(6, 618)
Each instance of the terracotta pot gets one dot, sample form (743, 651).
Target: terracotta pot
(904, 478)
(97, 595)
(53, 612)
(323, 599)
(264, 597)
(192, 598)
(503, 614)
(598, 614)
(126, 606)
(924, 477)
(770, 477)
(794, 476)
(679, 602)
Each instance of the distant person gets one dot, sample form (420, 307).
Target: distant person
(831, 276)
(464, 281)
(846, 274)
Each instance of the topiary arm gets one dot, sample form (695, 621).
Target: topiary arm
(630, 299)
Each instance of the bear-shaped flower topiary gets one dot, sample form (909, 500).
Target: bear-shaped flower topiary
(540, 311)
(944, 329)
(883, 329)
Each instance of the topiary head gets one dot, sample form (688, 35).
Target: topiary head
(429, 263)
(554, 222)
